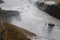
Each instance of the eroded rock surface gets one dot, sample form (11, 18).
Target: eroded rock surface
(12, 32)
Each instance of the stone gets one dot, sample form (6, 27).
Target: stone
(7, 14)
(51, 25)
(51, 9)
(13, 32)
(1, 1)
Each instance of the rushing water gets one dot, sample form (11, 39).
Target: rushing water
(32, 18)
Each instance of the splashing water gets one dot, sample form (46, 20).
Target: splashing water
(32, 18)
(50, 28)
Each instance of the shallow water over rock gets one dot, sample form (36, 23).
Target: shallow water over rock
(32, 18)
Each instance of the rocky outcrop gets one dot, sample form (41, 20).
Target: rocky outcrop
(51, 7)
(1, 1)
(8, 14)
(54, 0)
(12, 32)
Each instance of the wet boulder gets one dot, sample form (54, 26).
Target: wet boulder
(7, 14)
(53, 10)
(1, 1)
(50, 7)
(13, 32)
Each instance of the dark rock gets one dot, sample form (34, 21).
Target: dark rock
(50, 28)
(51, 25)
(53, 10)
(1, 1)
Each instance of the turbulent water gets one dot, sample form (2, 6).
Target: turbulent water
(32, 19)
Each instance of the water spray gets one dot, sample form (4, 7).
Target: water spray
(50, 28)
